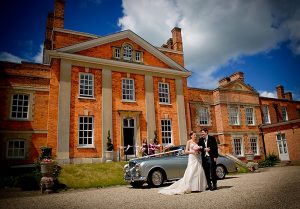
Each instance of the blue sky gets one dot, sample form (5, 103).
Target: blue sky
(260, 37)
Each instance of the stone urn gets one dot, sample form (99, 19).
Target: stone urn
(47, 171)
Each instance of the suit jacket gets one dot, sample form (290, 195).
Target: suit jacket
(212, 144)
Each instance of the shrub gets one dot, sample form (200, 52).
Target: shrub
(270, 161)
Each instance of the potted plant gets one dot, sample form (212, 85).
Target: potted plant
(109, 148)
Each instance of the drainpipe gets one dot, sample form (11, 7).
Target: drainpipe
(263, 140)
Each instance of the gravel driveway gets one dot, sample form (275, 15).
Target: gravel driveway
(276, 187)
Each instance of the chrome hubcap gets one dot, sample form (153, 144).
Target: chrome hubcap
(157, 178)
(220, 171)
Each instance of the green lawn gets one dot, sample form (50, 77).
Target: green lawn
(92, 175)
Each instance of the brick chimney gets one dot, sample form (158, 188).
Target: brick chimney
(235, 76)
(177, 39)
(288, 96)
(170, 43)
(48, 33)
(59, 13)
(280, 92)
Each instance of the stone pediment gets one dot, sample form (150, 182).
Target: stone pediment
(125, 36)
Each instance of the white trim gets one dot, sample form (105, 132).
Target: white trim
(242, 145)
(169, 50)
(253, 116)
(122, 35)
(92, 145)
(168, 88)
(133, 93)
(114, 63)
(79, 84)
(62, 30)
(13, 140)
(238, 115)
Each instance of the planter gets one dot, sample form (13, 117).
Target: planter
(47, 169)
(109, 156)
(249, 157)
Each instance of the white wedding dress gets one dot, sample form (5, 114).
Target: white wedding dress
(192, 180)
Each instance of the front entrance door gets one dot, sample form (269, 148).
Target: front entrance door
(282, 147)
(128, 133)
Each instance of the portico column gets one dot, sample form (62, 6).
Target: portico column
(63, 138)
(181, 111)
(150, 112)
(106, 108)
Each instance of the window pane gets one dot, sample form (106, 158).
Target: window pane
(85, 130)
(20, 106)
(86, 87)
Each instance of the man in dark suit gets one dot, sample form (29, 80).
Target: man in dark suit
(209, 158)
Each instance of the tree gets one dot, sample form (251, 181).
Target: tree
(109, 143)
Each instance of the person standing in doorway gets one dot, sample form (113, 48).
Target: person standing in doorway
(209, 158)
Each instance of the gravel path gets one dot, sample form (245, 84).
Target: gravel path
(277, 187)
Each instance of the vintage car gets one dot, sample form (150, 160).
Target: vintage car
(167, 166)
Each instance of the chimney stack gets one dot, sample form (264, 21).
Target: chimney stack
(288, 96)
(59, 13)
(49, 28)
(280, 92)
(177, 39)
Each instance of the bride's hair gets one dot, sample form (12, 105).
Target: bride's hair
(191, 133)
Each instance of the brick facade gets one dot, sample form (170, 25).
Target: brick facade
(55, 105)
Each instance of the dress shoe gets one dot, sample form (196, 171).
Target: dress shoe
(209, 188)
(214, 187)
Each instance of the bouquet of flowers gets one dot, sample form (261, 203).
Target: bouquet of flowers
(47, 160)
(196, 148)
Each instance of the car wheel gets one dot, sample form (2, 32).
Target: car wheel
(220, 171)
(156, 178)
(136, 184)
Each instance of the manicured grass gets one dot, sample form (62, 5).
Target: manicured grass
(92, 175)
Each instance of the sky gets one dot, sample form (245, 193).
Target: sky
(260, 38)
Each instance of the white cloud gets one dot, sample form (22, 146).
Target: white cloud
(268, 94)
(38, 58)
(5, 56)
(215, 32)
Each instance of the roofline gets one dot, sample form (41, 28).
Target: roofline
(283, 100)
(121, 35)
(75, 32)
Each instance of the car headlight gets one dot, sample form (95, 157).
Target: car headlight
(137, 167)
(126, 167)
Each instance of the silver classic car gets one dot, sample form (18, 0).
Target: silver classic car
(167, 166)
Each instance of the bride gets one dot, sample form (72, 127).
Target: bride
(194, 176)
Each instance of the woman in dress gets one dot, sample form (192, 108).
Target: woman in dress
(144, 147)
(193, 179)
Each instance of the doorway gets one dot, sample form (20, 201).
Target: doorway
(282, 147)
(128, 134)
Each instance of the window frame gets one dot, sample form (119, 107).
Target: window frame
(208, 115)
(14, 156)
(17, 106)
(237, 115)
(266, 114)
(138, 54)
(242, 153)
(127, 52)
(167, 138)
(117, 51)
(86, 96)
(164, 93)
(284, 113)
(256, 144)
(131, 91)
(85, 145)
(247, 116)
